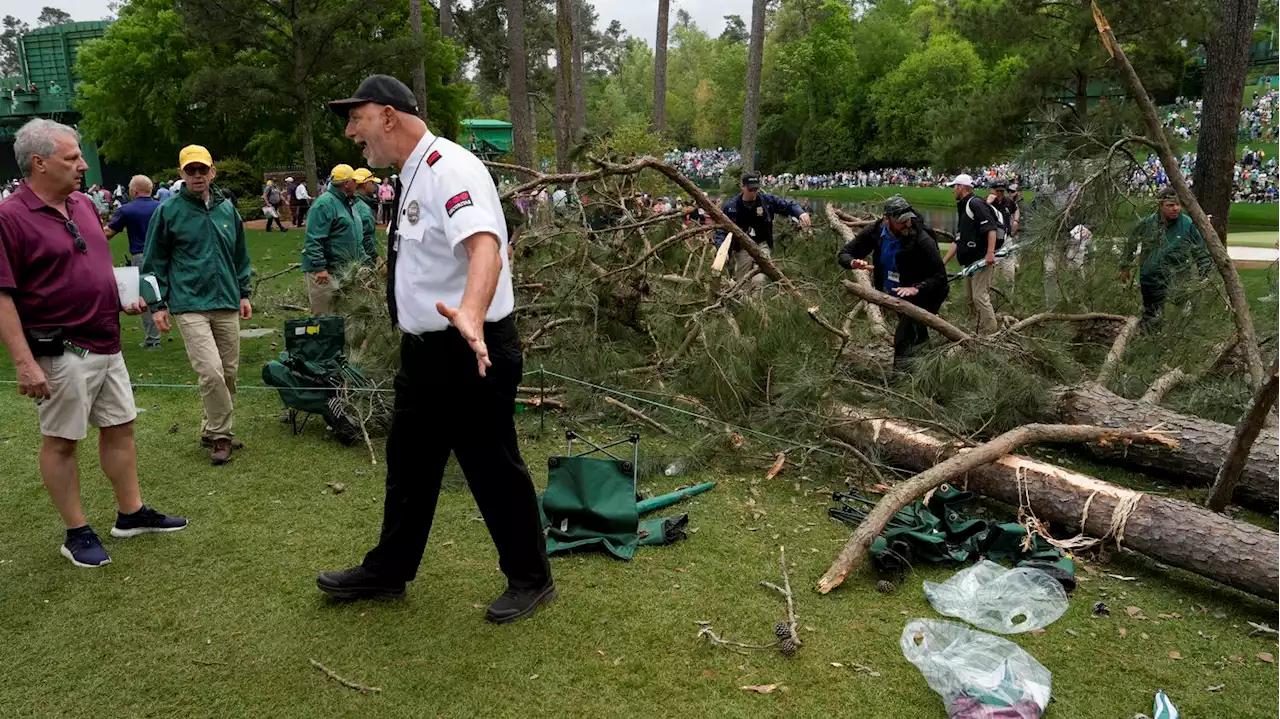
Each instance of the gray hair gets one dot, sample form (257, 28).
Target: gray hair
(38, 137)
(141, 184)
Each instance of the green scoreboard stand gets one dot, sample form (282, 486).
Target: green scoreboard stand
(488, 139)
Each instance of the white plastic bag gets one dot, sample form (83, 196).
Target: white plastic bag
(977, 674)
(1007, 601)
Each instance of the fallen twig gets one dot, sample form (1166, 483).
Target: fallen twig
(862, 459)
(341, 680)
(1112, 362)
(902, 307)
(1060, 317)
(639, 415)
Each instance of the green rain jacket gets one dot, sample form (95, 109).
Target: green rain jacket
(369, 226)
(334, 233)
(197, 253)
(1167, 249)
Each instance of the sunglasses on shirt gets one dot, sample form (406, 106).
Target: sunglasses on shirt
(75, 233)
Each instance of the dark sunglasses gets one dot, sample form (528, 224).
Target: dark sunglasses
(75, 232)
(198, 170)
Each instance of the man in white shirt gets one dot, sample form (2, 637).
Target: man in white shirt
(449, 290)
(303, 203)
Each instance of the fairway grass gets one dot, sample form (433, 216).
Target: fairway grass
(1245, 216)
(221, 619)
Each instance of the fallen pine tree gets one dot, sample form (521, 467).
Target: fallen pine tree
(1202, 444)
(1170, 531)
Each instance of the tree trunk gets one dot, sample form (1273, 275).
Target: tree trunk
(419, 68)
(1173, 532)
(660, 68)
(446, 18)
(1203, 445)
(517, 86)
(1241, 313)
(309, 147)
(1247, 431)
(564, 83)
(579, 99)
(755, 62)
(1226, 62)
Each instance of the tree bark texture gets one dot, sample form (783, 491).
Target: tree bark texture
(579, 99)
(855, 551)
(1247, 431)
(1226, 62)
(875, 297)
(517, 86)
(751, 109)
(419, 68)
(1176, 533)
(446, 18)
(1240, 311)
(660, 67)
(564, 83)
(1203, 445)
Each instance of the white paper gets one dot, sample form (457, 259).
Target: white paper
(127, 283)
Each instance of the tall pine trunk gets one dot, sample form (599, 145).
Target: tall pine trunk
(1226, 62)
(517, 86)
(660, 68)
(446, 18)
(579, 99)
(419, 68)
(755, 61)
(564, 82)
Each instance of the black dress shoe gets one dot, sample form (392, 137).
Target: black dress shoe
(519, 603)
(358, 583)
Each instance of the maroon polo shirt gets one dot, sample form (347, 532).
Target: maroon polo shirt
(53, 283)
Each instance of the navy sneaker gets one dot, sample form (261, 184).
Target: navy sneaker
(145, 520)
(84, 549)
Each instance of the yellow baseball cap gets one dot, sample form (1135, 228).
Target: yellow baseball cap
(194, 153)
(342, 173)
(364, 175)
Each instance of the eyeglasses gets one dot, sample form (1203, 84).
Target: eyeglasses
(75, 232)
(194, 169)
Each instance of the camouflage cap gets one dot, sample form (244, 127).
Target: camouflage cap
(897, 208)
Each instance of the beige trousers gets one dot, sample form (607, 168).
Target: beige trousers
(321, 296)
(744, 265)
(213, 346)
(978, 288)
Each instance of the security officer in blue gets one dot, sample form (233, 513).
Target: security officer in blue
(753, 211)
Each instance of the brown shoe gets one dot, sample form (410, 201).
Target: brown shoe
(221, 452)
(207, 443)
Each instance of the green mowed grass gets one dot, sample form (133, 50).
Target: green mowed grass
(1245, 216)
(1253, 239)
(221, 619)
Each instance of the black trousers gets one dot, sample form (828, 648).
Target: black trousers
(443, 405)
(1155, 291)
(910, 334)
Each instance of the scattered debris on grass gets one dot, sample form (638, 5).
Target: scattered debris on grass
(344, 681)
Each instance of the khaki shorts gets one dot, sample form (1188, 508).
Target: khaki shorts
(93, 389)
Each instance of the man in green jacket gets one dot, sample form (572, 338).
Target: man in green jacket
(1170, 242)
(335, 236)
(367, 194)
(196, 250)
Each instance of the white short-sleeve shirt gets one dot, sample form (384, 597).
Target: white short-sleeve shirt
(447, 195)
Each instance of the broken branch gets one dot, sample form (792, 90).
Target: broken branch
(639, 415)
(342, 680)
(855, 550)
(902, 307)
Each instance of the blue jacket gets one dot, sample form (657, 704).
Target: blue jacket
(757, 216)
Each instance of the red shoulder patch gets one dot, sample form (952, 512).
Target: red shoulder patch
(457, 202)
(433, 158)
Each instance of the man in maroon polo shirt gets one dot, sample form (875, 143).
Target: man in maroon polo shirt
(60, 321)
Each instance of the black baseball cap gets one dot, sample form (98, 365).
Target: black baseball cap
(751, 180)
(379, 89)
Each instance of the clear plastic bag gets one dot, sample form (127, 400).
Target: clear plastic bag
(1006, 601)
(978, 675)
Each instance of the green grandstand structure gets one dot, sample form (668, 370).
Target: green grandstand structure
(46, 88)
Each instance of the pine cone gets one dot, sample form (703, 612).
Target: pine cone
(782, 630)
(885, 586)
(787, 647)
